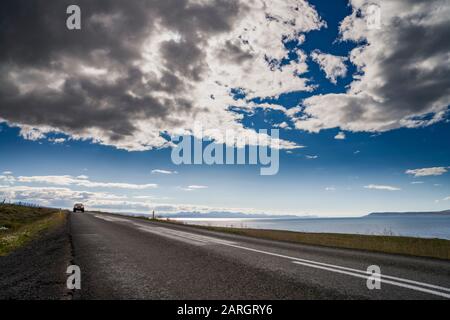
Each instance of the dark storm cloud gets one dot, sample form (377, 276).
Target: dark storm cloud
(177, 55)
(33, 32)
(37, 48)
(190, 18)
(234, 52)
(82, 104)
(416, 89)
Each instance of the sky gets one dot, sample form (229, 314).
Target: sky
(361, 104)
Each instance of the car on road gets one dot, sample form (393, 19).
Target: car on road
(78, 207)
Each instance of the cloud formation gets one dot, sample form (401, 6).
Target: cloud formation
(340, 136)
(7, 177)
(140, 68)
(424, 172)
(51, 196)
(137, 72)
(403, 67)
(381, 187)
(333, 66)
(194, 187)
(65, 197)
(160, 171)
(82, 181)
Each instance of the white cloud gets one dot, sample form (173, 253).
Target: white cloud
(144, 197)
(417, 182)
(194, 187)
(67, 180)
(340, 136)
(330, 189)
(333, 66)
(282, 125)
(160, 171)
(381, 187)
(424, 172)
(7, 173)
(54, 196)
(312, 157)
(57, 140)
(398, 83)
(8, 179)
(37, 194)
(33, 133)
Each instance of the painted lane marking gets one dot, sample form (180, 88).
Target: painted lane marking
(173, 234)
(336, 268)
(111, 219)
(173, 237)
(179, 235)
(395, 283)
(348, 269)
(384, 276)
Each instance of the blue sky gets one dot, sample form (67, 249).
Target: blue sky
(364, 172)
(300, 187)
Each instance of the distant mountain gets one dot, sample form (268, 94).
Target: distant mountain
(229, 215)
(403, 214)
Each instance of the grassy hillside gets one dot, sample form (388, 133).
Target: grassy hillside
(20, 224)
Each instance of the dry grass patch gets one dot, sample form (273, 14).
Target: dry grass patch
(20, 224)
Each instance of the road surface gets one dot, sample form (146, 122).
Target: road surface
(129, 258)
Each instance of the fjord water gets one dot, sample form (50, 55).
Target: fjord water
(412, 226)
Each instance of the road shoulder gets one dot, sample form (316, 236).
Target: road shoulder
(37, 270)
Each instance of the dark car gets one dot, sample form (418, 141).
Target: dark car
(78, 207)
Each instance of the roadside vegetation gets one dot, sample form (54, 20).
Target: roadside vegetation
(19, 224)
(433, 248)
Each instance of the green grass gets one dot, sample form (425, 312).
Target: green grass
(20, 224)
(433, 248)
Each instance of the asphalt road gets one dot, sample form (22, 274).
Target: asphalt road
(129, 258)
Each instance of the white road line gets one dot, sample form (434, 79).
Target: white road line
(197, 239)
(182, 235)
(398, 284)
(170, 236)
(336, 268)
(111, 219)
(355, 270)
